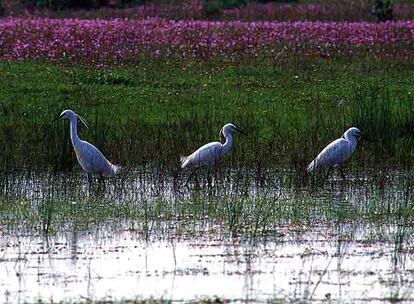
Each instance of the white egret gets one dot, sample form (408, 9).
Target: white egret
(90, 158)
(337, 152)
(211, 153)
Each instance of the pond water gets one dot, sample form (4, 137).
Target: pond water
(337, 248)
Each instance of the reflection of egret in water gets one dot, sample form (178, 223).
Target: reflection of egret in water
(74, 242)
(174, 272)
(401, 287)
(249, 254)
(19, 271)
(345, 234)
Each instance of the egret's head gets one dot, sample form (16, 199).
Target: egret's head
(229, 128)
(352, 133)
(69, 114)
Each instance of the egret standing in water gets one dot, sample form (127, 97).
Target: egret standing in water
(211, 153)
(337, 151)
(90, 158)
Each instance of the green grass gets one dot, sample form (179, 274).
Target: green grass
(290, 111)
(158, 211)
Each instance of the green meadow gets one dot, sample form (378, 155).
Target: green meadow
(290, 111)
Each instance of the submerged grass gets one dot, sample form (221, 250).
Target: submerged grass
(290, 111)
(226, 208)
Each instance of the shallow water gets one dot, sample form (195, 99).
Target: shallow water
(321, 253)
(314, 265)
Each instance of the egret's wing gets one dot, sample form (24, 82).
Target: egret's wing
(335, 153)
(93, 161)
(205, 155)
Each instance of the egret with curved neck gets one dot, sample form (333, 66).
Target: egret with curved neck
(212, 153)
(89, 157)
(337, 152)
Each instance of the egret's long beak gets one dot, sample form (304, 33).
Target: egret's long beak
(56, 119)
(240, 130)
(359, 134)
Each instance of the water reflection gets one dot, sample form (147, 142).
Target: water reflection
(318, 264)
(238, 239)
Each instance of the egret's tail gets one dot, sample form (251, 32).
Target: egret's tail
(312, 166)
(184, 161)
(116, 169)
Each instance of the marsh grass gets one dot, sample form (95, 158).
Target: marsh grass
(232, 205)
(144, 117)
(152, 113)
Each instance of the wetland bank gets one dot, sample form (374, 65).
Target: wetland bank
(255, 229)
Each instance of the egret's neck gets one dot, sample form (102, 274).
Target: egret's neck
(74, 130)
(352, 140)
(227, 145)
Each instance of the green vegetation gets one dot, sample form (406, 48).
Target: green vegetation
(145, 116)
(154, 208)
(290, 111)
(383, 10)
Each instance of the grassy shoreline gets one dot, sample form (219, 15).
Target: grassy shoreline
(290, 111)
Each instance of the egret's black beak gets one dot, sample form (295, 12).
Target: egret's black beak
(57, 118)
(240, 130)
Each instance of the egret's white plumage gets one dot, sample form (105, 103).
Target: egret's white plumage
(90, 158)
(338, 151)
(213, 152)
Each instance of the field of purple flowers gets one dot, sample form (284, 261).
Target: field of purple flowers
(116, 41)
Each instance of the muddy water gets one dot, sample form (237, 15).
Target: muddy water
(346, 262)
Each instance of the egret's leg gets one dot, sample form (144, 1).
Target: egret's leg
(197, 184)
(191, 175)
(101, 183)
(342, 172)
(90, 180)
(209, 178)
(329, 172)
